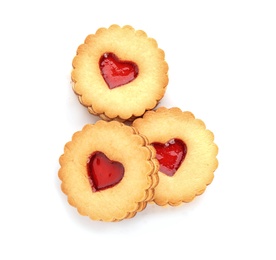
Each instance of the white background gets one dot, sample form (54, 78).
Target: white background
(222, 67)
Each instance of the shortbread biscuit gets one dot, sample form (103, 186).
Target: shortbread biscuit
(108, 171)
(185, 150)
(119, 73)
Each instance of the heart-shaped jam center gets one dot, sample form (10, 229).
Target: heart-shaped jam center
(170, 155)
(116, 72)
(102, 172)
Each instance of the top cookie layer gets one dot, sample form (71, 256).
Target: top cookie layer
(131, 99)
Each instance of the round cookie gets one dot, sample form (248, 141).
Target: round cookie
(108, 171)
(185, 150)
(119, 73)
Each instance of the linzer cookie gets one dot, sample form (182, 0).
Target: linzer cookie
(185, 150)
(119, 73)
(108, 171)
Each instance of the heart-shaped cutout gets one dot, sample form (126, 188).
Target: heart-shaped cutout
(170, 155)
(102, 172)
(115, 72)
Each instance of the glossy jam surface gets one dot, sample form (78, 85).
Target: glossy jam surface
(115, 72)
(170, 155)
(102, 172)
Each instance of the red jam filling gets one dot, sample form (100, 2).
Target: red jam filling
(116, 72)
(170, 155)
(102, 172)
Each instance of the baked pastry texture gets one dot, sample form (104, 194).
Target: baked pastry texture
(119, 73)
(185, 150)
(108, 171)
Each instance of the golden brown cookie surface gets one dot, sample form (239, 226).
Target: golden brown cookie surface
(185, 150)
(119, 73)
(108, 171)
